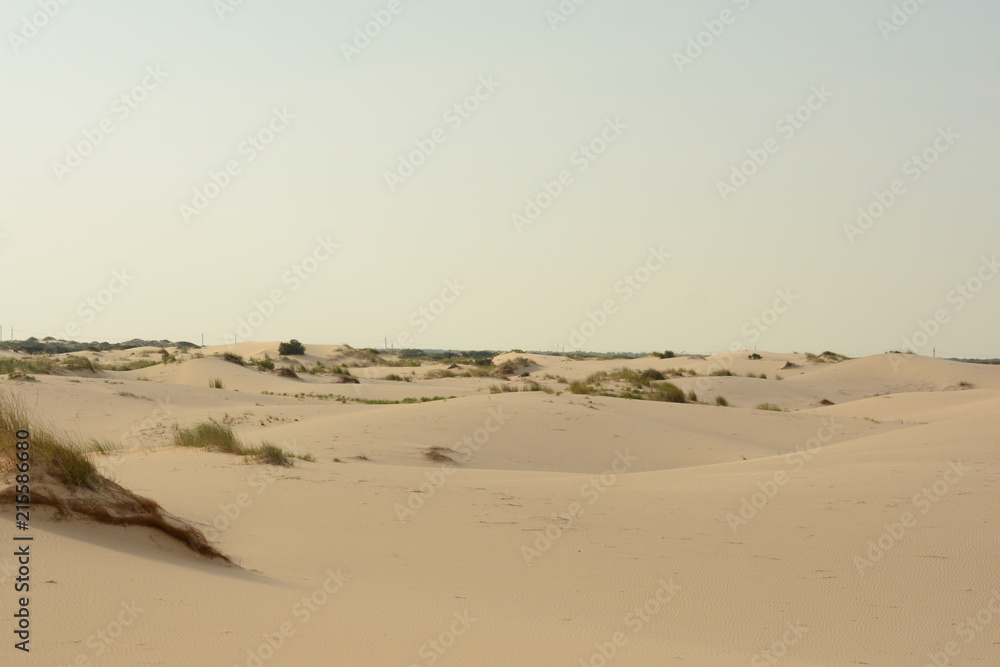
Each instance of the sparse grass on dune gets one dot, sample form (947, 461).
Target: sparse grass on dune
(355, 399)
(51, 453)
(649, 385)
(64, 477)
(216, 437)
(68, 364)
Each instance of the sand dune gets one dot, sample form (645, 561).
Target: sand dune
(571, 529)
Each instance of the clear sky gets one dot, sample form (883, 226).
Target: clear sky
(172, 168)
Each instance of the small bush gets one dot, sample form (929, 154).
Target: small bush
(292, 347)
(272, 455)
(770, 406)
(721, 401)
(577, 387)
(215, 383)
(722, 372)
(233, 358)
(265, 364)
(668, 392)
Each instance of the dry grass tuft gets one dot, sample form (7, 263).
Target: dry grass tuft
(63, 477)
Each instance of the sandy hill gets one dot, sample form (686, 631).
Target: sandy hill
(570, 529)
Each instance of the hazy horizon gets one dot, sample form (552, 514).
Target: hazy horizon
(503, 176)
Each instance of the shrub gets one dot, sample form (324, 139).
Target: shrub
(720, 400)
(770, 406)
(233, 358)
(272, 455)
(215, 383)
(79, 364)
(292, 347)
(577, 387)
(668, 392)
(692, 397)
(265, 364)
(722, 372)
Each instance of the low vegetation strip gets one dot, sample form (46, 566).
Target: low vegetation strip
(216, 437)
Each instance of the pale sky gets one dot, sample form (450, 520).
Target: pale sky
(116, 115)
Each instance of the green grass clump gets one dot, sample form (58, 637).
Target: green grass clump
(577, 387)
(273, 455)
(233, 358)
(216, 437)
(668, 392)
(40, 365)
(73, 363)
(770, 406)
(266, 364)
(215, 383)
(51, 453)
(212, 436)
(130, 365)
(721, 401)
(722, 372)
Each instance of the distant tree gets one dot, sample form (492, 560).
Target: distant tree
(291, 347)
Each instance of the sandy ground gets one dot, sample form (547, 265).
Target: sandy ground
(572, 530)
